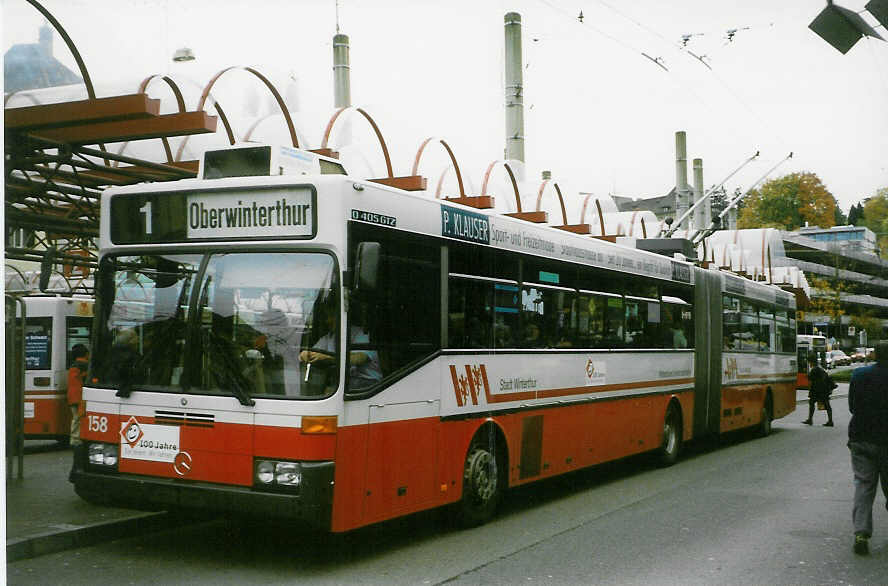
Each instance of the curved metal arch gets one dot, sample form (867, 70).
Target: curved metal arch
(249, 134)
(440, 181)
(180, 102)
(632, 222)
(87, 81)
(560, 199)
(385, 153)
(453, 162)
(271, 88)
(600, 215)
(90, 91)
(511, 178)
(206, 93)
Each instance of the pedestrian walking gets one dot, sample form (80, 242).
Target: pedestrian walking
(820, 387)
(76, 376)
(868, 442)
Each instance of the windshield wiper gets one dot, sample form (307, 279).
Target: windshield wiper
(239, 390)
(227, 376)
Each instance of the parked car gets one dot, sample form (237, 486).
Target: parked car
(836, 358)
(859, 355)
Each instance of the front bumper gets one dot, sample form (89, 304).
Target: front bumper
(313, 505)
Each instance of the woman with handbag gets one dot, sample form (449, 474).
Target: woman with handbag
(820, 387)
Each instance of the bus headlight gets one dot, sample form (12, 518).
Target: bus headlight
(288, 474)
(273, 473)
(103, 454)
(265, 472)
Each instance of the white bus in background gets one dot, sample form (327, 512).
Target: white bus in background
(54, 324)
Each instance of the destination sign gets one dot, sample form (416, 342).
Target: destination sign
(223, 214)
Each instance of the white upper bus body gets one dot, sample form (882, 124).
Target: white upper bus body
(312, 213)
(269, 334)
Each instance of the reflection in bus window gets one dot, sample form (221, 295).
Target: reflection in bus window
(470, 315)
(547, 315)
(642, 322)
(506, 315)
(731, 323)
(239, 330)
(78, 331)
(599, 320)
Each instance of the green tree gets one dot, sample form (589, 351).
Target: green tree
(875, 216)
(855, 215)
(788, 202)
(871, 324)
(828, 297)
(840, 218)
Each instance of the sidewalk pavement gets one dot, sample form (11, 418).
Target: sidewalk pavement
(44, 515)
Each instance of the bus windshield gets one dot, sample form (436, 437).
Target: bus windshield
(251, 324)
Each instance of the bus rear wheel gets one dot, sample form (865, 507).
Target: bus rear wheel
(764, 428)
(482, 485)
(671, 445)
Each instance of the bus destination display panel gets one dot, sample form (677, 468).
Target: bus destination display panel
(224, 214)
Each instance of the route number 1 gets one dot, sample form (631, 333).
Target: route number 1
(146, 209)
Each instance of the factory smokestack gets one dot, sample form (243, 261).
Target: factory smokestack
(341, 72)
(514, 89)
(703, 212)
(682, 191)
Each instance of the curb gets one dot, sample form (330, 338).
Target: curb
(71, 537)
(831, 397)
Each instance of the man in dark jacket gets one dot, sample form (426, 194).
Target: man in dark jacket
(868, 442)
(820, 387)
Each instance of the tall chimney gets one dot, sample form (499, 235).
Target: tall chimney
(514, 89)
(341, 70)
(681, 177)
(703, 210)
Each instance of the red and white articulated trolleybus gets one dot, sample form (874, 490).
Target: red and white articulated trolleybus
(53, 326)
(341, 352)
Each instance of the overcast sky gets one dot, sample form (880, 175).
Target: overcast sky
(598, 113)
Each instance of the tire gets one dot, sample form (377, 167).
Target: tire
(671, 445)
(483, 478)
(764, 427)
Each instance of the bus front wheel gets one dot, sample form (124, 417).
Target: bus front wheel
(482, 485)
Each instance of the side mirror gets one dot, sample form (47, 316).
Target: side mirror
(367, 266)
(49, 258)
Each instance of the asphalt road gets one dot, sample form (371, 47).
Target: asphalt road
(745, 511)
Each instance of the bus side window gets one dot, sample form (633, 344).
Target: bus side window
(731, 322)
(403, 317)
(469, 314)
(77, 331)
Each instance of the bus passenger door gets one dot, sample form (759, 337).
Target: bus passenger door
(402, 454)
